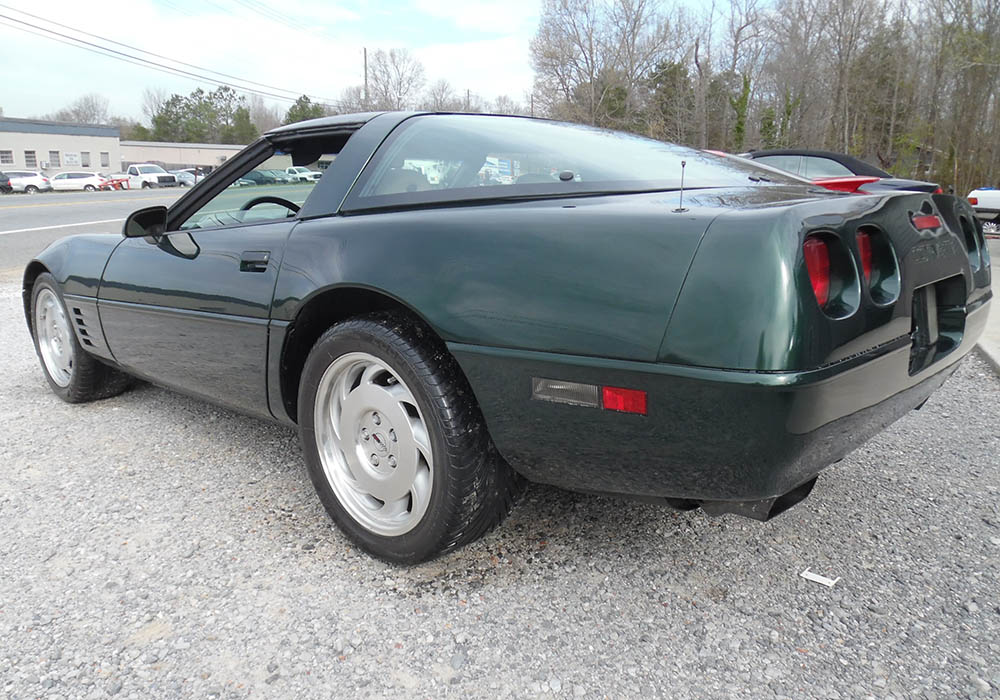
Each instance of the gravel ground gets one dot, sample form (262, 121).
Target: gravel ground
(156, 546)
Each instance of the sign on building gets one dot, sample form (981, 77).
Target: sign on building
(70, 158)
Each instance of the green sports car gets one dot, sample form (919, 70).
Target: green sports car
(465, 302)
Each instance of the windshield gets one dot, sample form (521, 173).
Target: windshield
(151, 169)
(447, 157)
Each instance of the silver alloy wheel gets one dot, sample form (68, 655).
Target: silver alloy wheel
(54, 340)
(374, 444)
(991, 227)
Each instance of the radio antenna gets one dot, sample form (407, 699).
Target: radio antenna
(680, 203)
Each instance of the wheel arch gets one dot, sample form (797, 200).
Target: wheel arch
(31, 273)
(318, 313)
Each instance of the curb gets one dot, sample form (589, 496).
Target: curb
(992, 357)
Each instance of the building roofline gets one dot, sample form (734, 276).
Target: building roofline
(44, 126)
(174, 144)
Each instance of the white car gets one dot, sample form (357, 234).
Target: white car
(986, 202)
(28, 181)
(300, 174)
(143, 175)
(77, 181)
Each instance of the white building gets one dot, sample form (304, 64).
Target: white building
(54, 147)
(177, 155)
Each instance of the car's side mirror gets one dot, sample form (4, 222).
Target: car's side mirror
(151, 221)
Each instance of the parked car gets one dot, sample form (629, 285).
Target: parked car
(188, 177)
(826, 165)
(260, 177)
(986, 202)
(715, 346)
(145, 175)
(280, 176)
(5, 186)
(75, 180)
(28, 181)
(303, 174)
(242, 182)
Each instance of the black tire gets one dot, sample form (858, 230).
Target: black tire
(90, 379)
(30, 189)
(473, 488)
(145, 185)
(89, 188)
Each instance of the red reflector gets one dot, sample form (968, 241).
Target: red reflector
(926, 221)
(973, 200)
(625, 400)
(818, 264)
(865, 251)
(938, 191)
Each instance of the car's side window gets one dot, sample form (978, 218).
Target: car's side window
(274, 188)
(816, 166)
(789, 164)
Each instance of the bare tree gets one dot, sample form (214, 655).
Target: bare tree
(504, 104)
(152, 102)
(441, 97)
(264, 116)
(88, 109)
(395, 78)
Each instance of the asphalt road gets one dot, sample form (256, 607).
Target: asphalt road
(157, 546)
(28, 223)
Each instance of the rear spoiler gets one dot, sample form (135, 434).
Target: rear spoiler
(845, 184)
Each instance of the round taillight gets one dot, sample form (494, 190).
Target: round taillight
(817, 255)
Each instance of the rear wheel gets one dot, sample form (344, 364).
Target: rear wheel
(31, 189)
(89, 188)
(395, 443)
(74, 375)
(992, 227)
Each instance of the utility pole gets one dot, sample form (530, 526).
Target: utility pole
(532, 100)
(365, 101)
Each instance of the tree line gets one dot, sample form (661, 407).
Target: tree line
(913, 87)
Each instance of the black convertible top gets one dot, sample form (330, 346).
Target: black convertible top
(855, 165)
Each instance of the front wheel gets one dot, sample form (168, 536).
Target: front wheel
(90, 188)
(992, 227)
(395, 443)
(145, 185)
(74, 375)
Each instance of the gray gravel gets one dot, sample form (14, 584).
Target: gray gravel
(156, 546)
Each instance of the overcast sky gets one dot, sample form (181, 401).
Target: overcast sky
(479, 45)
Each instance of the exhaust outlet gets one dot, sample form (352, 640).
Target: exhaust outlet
(762, 510)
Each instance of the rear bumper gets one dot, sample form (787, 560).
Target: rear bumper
(986, 214)
(710, 434)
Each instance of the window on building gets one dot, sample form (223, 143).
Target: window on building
(30, 160)
(85, 159)
(105, 159)
(54, 161)
(6, 157)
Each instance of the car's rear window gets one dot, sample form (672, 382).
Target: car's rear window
(436, 158)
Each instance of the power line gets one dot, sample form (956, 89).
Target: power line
(146, 63)
(271, 14)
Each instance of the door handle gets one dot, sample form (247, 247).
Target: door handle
(254, 260)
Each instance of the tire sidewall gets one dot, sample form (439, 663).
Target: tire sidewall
(427, 536)
(68, 392)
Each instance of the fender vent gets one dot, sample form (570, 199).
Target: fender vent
(81, 327)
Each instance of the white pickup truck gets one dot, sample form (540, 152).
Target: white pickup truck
(986, 202)
(143, 175)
